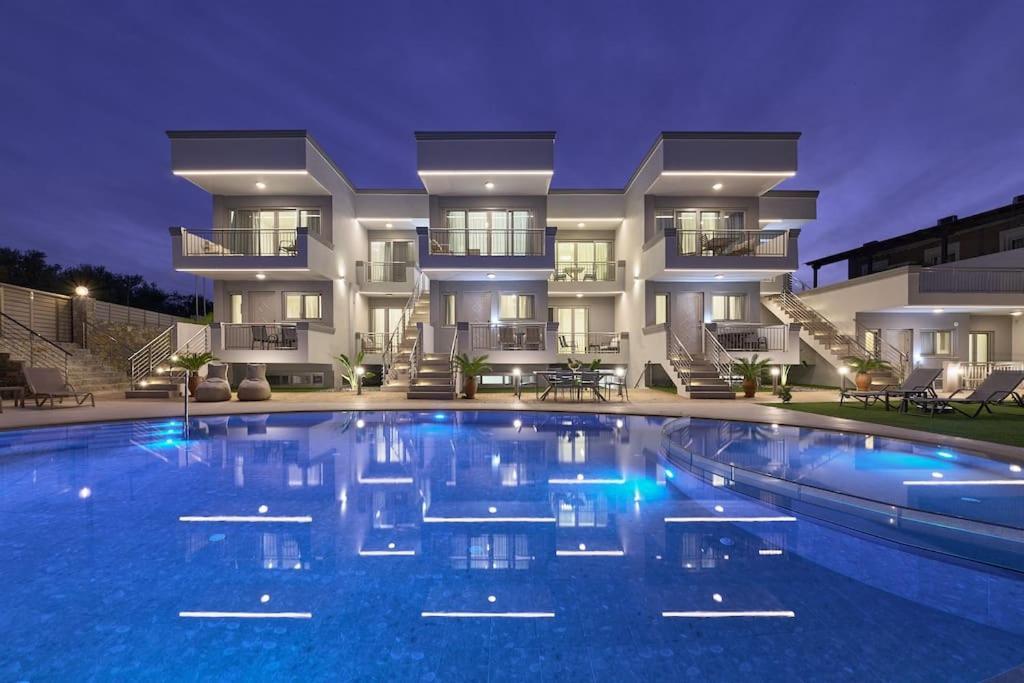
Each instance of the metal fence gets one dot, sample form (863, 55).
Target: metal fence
(733, 242)
(262, 336)
(240, 242)
(987, 280)
(45, 313)
(453, 242)
(752, 337)
(373, 342)
(507, 336)
(105, 312)
(584, 271)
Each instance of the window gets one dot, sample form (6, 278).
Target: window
(515, 307)
(580, 261)
(299, 306)
(236, 308)
(980, 344)
(286, 219)
(728, 306)
(490, 232)
(937, 342)
(660, 309)
(449, 310)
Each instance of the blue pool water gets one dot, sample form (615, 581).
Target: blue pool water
(492, 546)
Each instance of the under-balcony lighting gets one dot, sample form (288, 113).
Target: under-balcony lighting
(938, 310)
(491, 276)
(245, 615)
(581, 225)
(753, 174)
(579, 296)
(489, 185)
(241, 172)
(717, 186)
(785, 614)
(488, 615)
(484, 173)
(261, 276)
(719, 276)
(301, 519)
(389, 225)
(261, 185)
(1016, 314)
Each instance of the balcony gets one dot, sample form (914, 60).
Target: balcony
(776, 343)
(609, 347)
(735, 254)
(390, 277)
(300, 342)
(372, 345)
(520, 343)
(588, 276)
(520, 254)
(241, 254)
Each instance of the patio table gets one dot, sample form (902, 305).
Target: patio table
(576, 376)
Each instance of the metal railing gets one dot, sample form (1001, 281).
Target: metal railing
(590, 342)
(372, 342)
(973, 374)
(678, 355)
(158, 351)
(260, 336)
(386, 271)
(584, 271)
(968, 281)
(820, 327)
(240, 242)
(753, 337)
(718, 356)
(507, 336)
(513, 242)
(733, 242)
(392, 348)
(883, 350)
(416, 353)
(25, 343)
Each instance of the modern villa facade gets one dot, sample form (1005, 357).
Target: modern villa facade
(663, 276)
(948, 296)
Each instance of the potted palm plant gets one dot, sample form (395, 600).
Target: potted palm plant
(750, 370)
(353, 372)
(471, 368)
(193, 363)
(862, 369)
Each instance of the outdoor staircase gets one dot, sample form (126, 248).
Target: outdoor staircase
(698, 377)
(399, 371)
(824, 337)
(150, 368)
(434, 378)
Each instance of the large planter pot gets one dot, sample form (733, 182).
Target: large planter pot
(749, 388)
(193, 382)
(469, 387)
(862, 380)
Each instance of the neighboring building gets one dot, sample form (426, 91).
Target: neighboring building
(949, 296)
(487, 259)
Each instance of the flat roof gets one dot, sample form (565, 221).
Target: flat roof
(485, 135)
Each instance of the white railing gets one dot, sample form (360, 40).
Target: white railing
(971, 280)
(678, 355)
(590, 342)
(392, 349)
(753, 337)
(507, 336)
(973, 374)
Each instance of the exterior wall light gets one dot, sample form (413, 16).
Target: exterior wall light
(82, 291)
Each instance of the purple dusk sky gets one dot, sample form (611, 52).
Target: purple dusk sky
(910, 110)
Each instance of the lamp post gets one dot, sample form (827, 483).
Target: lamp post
(360, 371)
(843, 371)
(516, 382)
(775, 380)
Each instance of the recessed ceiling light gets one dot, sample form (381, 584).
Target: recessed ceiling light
(716, 187)
(1016, 313)
(261, 276)
(579, 296)
(490, 276)
(261, 186)
(938, 310)
(719, 276)
(489, 185)
(581, 225)
(389, 225)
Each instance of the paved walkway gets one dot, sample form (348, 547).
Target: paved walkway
(642, 402)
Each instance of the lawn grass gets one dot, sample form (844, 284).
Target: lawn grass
(1005, 425)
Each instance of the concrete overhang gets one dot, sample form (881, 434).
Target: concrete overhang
(474, 163)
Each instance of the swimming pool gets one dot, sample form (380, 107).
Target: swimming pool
(470, 545)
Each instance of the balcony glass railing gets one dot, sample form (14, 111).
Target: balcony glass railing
(584, 271)
(386, 271)
(733, 242)
(240, 242)
(507, 336)
(589, 342)
(518, 242)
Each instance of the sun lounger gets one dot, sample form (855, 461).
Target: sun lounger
(918, 383)
(997, 387)
(49, 384)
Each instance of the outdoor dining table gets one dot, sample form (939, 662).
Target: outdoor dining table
(576, 376)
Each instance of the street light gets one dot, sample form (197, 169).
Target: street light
(774, 372)
(360, 371)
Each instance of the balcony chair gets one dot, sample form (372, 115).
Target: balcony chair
(533, 341)
(997, 387)
(369, 343)
(289, 338)
(261, 335)
(48, 384)
(564, 345)
(507, 338)
(918, 383)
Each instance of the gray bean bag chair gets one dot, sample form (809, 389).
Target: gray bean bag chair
(215, 387)
(255, 386)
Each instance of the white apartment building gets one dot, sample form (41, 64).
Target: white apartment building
(663, 276)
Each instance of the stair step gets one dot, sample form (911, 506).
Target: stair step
(726, 395)
(148, 393)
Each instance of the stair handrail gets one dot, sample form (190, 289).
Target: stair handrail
(398, 333)
(896, 359)
(141, 363)
(416, 353)
(452, 363)
(716, 354)
(817, 323)
(52, 346)
(678, 355)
